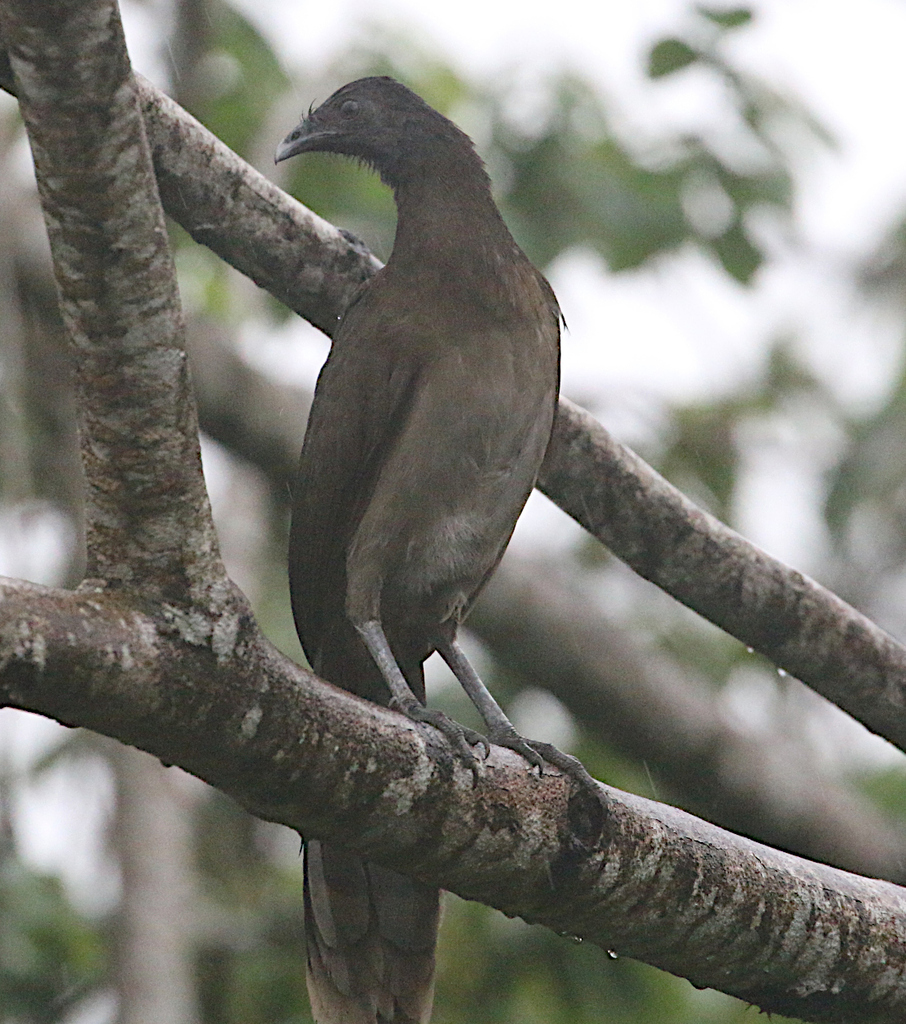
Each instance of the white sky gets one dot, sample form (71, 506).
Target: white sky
(844, 59)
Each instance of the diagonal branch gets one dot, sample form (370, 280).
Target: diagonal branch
(773, 609)
(555, 638)
(253, 225)
(191, 679)
(314, 268)
(647, 522)
(765, 786)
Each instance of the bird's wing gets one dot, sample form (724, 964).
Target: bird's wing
(360, 402)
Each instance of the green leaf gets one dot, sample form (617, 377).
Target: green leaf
(670, 55)
(733, 17)
(736, 253)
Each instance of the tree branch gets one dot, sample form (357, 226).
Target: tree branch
(314, 268)
(651, 882)
(644, 706)
(146, 511)
(798, 624)
(554, 638)
(248, 221)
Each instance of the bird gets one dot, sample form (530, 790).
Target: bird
(429, 424)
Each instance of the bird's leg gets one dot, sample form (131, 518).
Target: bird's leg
(500, 729)
(404, 700)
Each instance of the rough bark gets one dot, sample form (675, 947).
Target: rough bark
(304, 261)
(314, 268)
(795, 622)
(645, 706)
(645, 880)
(117, 293)
(552, 636)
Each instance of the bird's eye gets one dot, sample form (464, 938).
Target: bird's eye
(349, 108)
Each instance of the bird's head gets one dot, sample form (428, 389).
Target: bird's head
(380, 122)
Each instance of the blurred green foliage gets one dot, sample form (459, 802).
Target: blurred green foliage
(233, 77)
(249, 966)
(702, 452)
(564, 179)
(568, 179)
(51, 956)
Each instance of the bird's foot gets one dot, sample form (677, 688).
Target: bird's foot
(509, 738)
(567, 764)
(537, 753)
(462, 738)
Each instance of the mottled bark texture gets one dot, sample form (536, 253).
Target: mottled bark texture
(314, 268)
(643, 704)
(160, 651)
(798, 624)
(225, 204)
(118, 297)
(304, 261)
(630, 875)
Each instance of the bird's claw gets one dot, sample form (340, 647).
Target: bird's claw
(567, 764)
(511, 739)
(537, 753)
(462, 738)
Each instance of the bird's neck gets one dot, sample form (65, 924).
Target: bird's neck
(448, 220)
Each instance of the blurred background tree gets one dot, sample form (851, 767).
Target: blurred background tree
(133, 893)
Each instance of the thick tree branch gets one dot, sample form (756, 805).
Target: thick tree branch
(246, 219)
(208, 693)
(798, 624)
(146, 505)
(314, 268)
(302, 260)
(645, 707)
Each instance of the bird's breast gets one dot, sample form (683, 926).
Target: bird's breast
(469, 439)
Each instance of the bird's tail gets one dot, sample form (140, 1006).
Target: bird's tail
(371, 935)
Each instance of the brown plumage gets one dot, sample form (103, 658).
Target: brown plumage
(429, 424)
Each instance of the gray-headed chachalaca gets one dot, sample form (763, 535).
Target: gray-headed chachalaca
(430, 420)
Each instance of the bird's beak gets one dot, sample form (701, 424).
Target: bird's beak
(304, 137)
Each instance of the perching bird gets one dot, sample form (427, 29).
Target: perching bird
(430, 420)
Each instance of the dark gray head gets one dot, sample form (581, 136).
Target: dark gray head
(382, 123)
